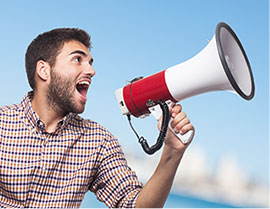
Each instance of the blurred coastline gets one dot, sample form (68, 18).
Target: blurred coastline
(227, 183)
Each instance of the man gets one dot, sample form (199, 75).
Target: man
(50, 156)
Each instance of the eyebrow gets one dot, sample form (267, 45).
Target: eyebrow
(78, 52)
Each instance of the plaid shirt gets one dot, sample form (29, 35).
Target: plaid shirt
(40, 169)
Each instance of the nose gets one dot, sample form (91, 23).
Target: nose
(89, 70)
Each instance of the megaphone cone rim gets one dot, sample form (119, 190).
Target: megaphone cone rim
(225, 65)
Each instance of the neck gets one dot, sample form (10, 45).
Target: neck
(49, 115)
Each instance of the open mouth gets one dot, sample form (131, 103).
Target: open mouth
(82, 87)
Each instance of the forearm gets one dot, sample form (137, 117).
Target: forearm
(156, 190)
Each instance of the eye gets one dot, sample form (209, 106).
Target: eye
(91, 61)
(77, 59)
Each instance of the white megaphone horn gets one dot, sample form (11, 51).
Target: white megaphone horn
(221, 65)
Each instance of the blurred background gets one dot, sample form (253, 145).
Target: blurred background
(227, 164)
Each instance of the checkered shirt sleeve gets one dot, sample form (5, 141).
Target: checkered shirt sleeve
(115, 183)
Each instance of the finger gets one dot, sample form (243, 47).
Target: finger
(179, 117)
(187, 128)
(178, 128)
(176, 110)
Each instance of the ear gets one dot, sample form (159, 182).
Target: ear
(43, 70)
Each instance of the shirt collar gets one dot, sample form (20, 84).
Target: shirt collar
(33, 117)
(30, 114)
(65, 121)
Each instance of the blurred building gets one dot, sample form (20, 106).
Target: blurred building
(226, 183)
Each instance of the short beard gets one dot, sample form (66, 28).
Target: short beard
(60, 95)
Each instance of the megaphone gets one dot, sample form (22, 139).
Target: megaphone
(221, 65)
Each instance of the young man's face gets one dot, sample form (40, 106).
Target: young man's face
(70, 78)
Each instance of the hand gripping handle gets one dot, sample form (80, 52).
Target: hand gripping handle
(157, 112)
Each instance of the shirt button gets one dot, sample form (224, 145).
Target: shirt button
(34, 130)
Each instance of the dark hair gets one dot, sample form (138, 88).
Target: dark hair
(47, 46)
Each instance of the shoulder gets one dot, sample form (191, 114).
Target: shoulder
(93, 128)
(95, 133)
(8, 114)
(9, 110)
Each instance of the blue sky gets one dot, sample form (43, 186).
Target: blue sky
(139, 38)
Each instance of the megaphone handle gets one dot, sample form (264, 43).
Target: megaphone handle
(157, 112)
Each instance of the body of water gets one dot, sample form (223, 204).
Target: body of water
(173, 201)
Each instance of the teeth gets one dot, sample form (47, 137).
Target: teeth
(84, 83)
